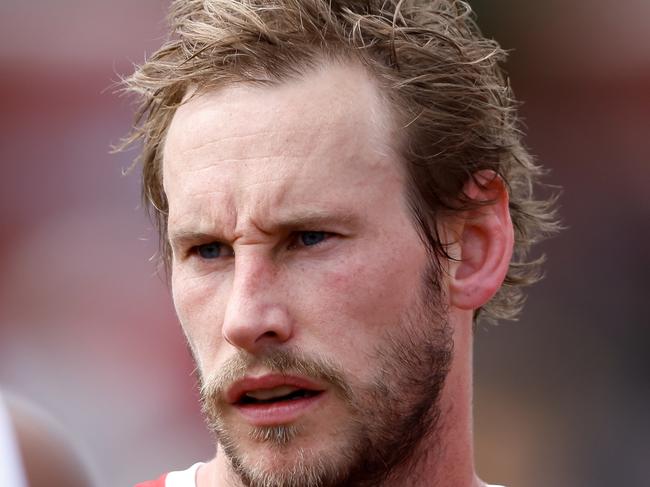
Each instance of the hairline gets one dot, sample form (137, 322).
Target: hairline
(386, 112)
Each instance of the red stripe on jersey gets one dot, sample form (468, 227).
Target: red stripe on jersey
(153, 483)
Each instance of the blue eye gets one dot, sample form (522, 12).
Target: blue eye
(209, 251)
(312, 238)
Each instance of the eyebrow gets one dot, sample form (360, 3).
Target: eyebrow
(310, 219)
(186, 236)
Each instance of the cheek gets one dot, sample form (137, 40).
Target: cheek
(200, 307)
(359, 298)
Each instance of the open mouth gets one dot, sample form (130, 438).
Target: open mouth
(276, 395)
(275, 399)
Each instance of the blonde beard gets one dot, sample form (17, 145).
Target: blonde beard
(403, 398)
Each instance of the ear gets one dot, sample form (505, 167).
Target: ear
(486, 240)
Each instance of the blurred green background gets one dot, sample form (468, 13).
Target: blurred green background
(87, 329)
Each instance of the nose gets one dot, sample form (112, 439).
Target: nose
(256, 315)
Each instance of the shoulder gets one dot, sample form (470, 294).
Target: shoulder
(180, 478)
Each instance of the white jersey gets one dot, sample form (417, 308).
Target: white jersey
(183, 478)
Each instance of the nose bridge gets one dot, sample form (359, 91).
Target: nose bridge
(255, 313)
(253, 273)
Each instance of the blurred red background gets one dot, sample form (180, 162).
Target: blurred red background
(87, 329)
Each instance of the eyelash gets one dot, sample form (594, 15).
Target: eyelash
(296, 236)
(294, 242)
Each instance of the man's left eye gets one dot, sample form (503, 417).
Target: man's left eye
(311, 238)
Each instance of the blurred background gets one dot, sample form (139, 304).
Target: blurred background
(87, 330)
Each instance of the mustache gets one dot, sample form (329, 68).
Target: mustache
(283, 362)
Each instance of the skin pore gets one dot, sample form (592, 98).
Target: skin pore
(292, 244)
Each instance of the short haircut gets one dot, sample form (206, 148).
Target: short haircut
(442, 77)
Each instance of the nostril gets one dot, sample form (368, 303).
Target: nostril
(269, 334)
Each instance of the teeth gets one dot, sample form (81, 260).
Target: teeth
(265, 394)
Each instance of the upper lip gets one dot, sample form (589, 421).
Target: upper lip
(269, 381)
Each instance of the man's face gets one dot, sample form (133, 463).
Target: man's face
(302, 285)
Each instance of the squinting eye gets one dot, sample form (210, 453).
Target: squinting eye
(312, 238)
(209, 251)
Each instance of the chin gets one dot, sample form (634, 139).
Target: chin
(286, 456)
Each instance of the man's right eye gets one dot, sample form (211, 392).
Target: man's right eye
(209, 251)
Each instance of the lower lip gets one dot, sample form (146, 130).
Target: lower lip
(282, 412)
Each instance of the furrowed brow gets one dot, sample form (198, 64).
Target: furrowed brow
(307, 220)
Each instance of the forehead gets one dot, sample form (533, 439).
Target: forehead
(249, 148)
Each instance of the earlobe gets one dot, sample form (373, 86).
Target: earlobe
(486, 242)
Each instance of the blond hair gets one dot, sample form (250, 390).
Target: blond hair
(442, 77)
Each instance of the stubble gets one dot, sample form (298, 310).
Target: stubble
(387, 419)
